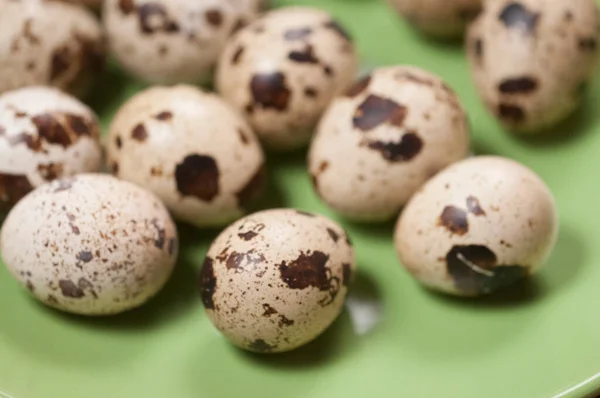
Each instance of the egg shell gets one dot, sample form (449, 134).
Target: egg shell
(44, 134)
(276, 279)
(440, 18)
(191, 149)
(173, 41)
(49, 43)
(478, 226)
(376, 145)
(90, 244)
(284, 69)
(532, 59)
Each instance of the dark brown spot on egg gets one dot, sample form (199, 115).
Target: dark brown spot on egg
(243, 137)
(297, 33)
(474, 207)
(270, 91)
(13, 187)
(154, 18)
(208, 284)
(327, 70)
(126, 6)
(260, 346)
(474, 270)
(139, 133)
(305, 56)
(588, 44)
(159, 241)
(164, 116)
(518, 85)
(114, 168)
(337, 28)
(454, 220)
(311, 92)
(516, 16)
(60, 62)
(309, 270)
(253, 188)
(30, 286)
(284, 321)
(173, 243)
(268, 310)
(375, 110)
(478, 47)
(85, 256)
(214, 17)
(70, 289)
(333, 235)
(237, 55)
(241, 262)
(511, 113)
(404, 150)
(50, 171)
(347, 274)
(247, 235)
(119, 142)
(51, 300)
(359, 86)
(63, 129)
(198, 175)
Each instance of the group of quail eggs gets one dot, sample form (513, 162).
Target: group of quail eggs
(394, 139)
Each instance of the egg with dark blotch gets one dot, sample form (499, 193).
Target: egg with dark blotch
(282, 70)
(191, 149)
(90, 244)
(479, 226)
(378, 143)
(37, 50)
(275, 280)
(44, 134)
(532, 59)
(173, 41)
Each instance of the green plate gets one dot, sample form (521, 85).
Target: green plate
(541, 339)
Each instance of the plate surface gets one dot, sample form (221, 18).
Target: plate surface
(541, 339)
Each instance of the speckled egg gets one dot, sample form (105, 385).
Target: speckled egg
(532, 59)
(173, 41)
(284, 69)
(276, 279)
(191, 149)
(90, 244)
(377, 144)
(442, 18)
(49, 43)
(44, 134)
(477, 227)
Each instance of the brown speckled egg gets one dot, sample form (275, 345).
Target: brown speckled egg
(477, 227)
(532, 59)
(44, 134)
(191, 149)
(276, 279)
(442, 18)
(284, 69)
(90, 244)
(172, 41)
(49, 43)
(377, 144)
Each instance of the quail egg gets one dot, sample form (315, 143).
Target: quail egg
(283, 69)
(478, 226)
(173, 41)
(191, 149)
(276, 279)
(90, 244)
(532, 59)
(441, 18)
(44, 134)
(377, 144)
(49, 43)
